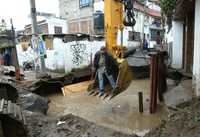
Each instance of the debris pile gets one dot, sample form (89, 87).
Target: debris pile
(66, 126)
(184, 121)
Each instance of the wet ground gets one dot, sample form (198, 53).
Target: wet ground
(120, 113)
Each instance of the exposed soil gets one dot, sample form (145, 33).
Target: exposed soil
(71, 126)
(184, 121)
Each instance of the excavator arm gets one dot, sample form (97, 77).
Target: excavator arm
(117, 14)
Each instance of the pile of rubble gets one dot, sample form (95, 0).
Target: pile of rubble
(34, 108)
(184, 121)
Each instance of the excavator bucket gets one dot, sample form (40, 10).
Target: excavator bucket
(124, 76)
(123, 80)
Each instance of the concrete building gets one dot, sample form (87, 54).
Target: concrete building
(51, 25)
(79, 15)
(185, 39)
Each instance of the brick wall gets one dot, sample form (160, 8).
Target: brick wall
(74, 13)
(85, 26)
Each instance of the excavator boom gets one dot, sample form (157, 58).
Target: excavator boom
(117, 14)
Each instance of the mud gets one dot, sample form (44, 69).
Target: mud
(67, 126)
(184, 121)
(120, 113)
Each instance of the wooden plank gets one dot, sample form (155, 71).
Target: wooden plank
(1, 106)
(74, 88)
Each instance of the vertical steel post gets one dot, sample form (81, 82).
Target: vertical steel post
(140, 95)
(154, 83)
(17, 68)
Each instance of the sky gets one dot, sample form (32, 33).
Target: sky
(19, 10)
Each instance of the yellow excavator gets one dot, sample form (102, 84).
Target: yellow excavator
(117, 15)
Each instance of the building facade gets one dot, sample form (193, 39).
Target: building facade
(185, 39)
(50, 25)
(79, 15)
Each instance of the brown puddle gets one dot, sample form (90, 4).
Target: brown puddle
(120, 113)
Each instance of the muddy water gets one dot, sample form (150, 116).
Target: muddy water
(120, 113)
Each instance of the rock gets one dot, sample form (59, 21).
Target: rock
(33, 102)
(8, 91)
(179, 94)
(83, 128)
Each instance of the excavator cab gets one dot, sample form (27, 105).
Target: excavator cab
(118, 13)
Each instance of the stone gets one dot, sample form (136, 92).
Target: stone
(179, 94)
(35, 103)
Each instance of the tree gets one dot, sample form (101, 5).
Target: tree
(167, 8)
(3, 26)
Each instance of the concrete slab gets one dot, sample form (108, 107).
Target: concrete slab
(179, 94)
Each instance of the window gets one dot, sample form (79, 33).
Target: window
(58, 30)
(84, 3)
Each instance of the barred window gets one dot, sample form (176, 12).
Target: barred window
(84, 3)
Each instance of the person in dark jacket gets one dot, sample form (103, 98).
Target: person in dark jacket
(104, 65)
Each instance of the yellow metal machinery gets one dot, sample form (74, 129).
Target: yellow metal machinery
(113, 14)
(117, 14)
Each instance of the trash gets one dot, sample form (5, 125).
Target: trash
(60, 123)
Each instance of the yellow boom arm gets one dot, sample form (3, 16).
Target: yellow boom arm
(113, 12)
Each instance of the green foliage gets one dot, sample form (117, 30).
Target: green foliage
(2, 26)
(167, 6)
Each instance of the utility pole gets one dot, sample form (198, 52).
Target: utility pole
(143, 18)
(38, 58)
(17, 68)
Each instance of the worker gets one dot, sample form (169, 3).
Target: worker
(104, 65)
(145, 42)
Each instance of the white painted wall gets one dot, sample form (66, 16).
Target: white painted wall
(62, 56)
(99, 6)
(177, 49)
(196, 65)
(86, 50)
(55, 57)
(52, 22)
(24, 55)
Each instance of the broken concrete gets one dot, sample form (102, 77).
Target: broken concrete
(66, 126)
(184, 121)
(179, 94)
(7, 91)
(8, 71)
(33, 102)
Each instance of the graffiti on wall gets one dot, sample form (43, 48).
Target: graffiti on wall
(79, 53)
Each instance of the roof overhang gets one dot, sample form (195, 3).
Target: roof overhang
(182, 8)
